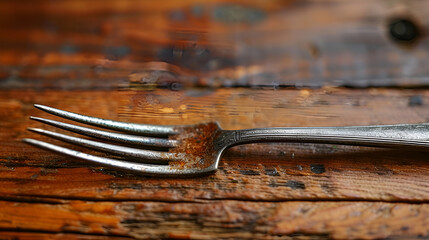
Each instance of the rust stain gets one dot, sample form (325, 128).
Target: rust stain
(196, 142)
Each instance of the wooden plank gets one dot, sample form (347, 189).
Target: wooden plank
(262, 191)
(263, 172)
(69, 45)
(269, 181)
(221, 219)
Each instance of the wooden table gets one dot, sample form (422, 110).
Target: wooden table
(91, 59)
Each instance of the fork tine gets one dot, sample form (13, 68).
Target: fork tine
(119, 150)
(147, 169)
(118, 137)
(115, 125)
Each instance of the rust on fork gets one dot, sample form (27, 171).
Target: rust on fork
(197, 144)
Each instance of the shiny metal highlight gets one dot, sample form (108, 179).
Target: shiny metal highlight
(145, 169)
(197, 149)
(105, 147)
(117, 137)
(114, 125)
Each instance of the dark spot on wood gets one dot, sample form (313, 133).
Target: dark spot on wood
(335, 170)
(322, 102)
(314, 50)
(15, 180)
(116, 173)
(299, 167)
(281, 105)
(34, 176)
(273, 183)
(356, 103)
(405, 228)
(317, 168)
(300, 235)
(271, 172)
(130, 221)
(194, 57)
(197, 11)
(47, 171)
(174, 86)
(198, 92)
(116, 52)
(383, 171)
(232, 13)
(327, 188)
(415, 100)
(68, 48)
(282, 153)
(177, 15)
(295, 184)
(249, 172)
(220, 186)
(403, 30)
(304, 210)
(134, 186)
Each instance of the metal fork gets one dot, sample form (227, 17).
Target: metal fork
(180, 150)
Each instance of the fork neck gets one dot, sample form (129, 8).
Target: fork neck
(403, 135)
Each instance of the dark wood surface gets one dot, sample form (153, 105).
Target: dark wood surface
(243, 64)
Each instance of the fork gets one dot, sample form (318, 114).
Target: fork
(181, 150)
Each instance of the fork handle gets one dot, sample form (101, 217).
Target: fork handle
(403, 135)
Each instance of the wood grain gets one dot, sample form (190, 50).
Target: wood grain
(69, 45)
(225, 219)
(280, 191)
(245, 64)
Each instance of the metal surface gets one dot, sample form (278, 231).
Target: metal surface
(114, 125)
(197, 149)
(117, 137)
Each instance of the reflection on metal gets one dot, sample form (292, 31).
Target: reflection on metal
(197, 149)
